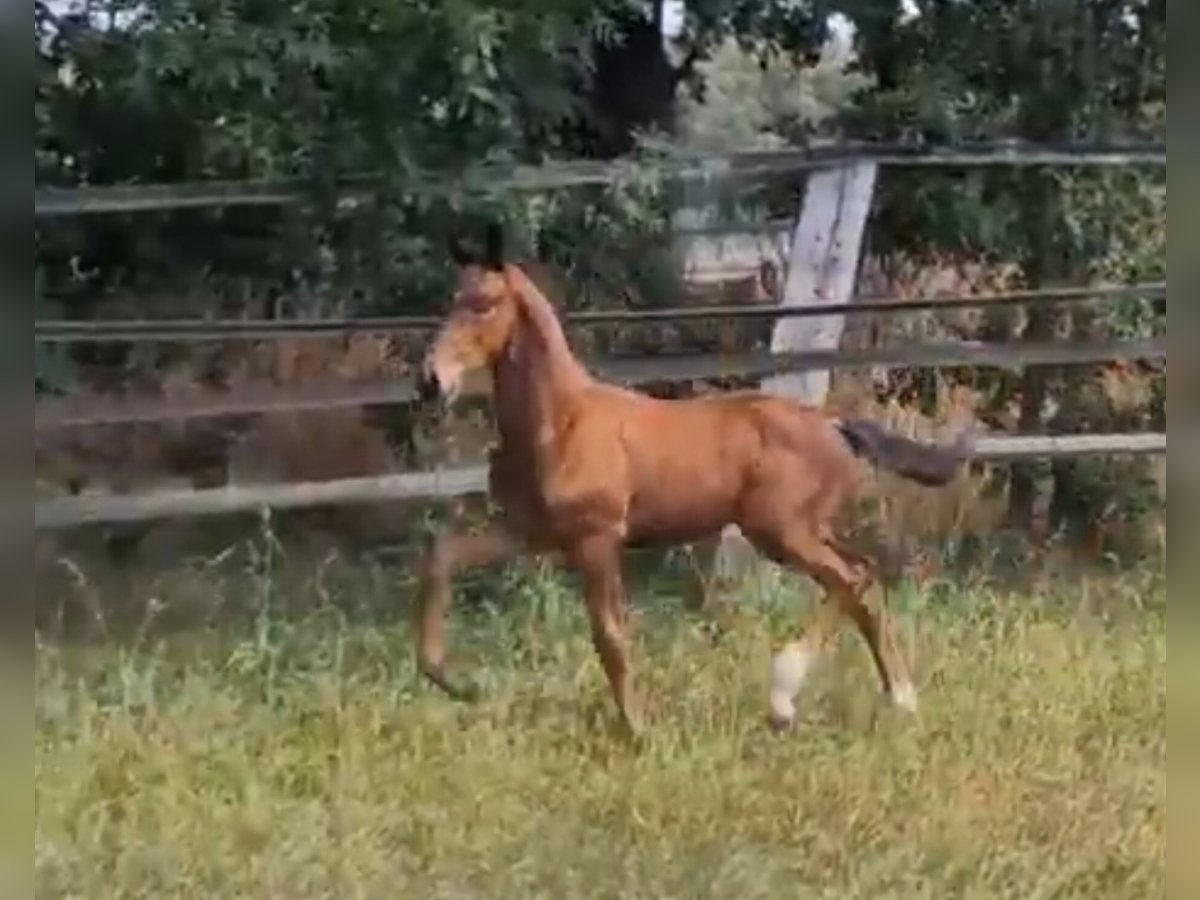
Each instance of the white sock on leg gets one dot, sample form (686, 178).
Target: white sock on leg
(789, 667)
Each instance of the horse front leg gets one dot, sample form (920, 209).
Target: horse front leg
(448, 554)
(598, 560)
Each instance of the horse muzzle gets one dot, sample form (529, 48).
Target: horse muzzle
(433, 388)
(429, 389)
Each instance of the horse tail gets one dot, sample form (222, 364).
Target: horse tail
(931, 465)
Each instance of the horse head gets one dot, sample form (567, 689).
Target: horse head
(484, 313)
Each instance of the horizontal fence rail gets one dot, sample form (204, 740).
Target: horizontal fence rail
(179, 330)
(66, 512)
(61, 413)
(352, 192)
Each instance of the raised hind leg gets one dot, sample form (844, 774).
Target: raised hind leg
(713, 571)
(879, 620)
(805, 549)
(448, 554)
(699, 590)
(598, 560)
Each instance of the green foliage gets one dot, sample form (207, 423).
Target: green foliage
(416, 91)
(316, 88)
(1041, 70)
(795, 27)
(610, 244)
(1120, 216)
(320, 89)
(754, 98)
(1038, 70)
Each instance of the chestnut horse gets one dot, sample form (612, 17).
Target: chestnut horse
(584, 468)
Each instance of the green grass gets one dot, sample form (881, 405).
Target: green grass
(305, 760)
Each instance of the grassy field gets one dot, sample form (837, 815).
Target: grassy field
(302, 758)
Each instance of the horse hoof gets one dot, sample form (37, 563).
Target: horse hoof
(467, 693)
(632, 730)
(780, 723)
(634, 739)
(781, 710)
(782, 713)
(464, 693)
(904, 696)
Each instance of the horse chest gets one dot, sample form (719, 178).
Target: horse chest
(555, 472)
(515, 487)
(512, 484)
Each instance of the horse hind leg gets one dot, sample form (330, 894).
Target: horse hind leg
(700, 582)
(879, 624)
(803, 548)
(709, 591)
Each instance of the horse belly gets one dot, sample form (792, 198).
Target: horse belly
(687, 478)
(680, 512)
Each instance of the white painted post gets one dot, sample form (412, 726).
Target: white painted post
(822, 266)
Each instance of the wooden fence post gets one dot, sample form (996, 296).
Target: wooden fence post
(822, 268)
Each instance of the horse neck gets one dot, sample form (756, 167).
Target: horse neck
(561, 368)
(539, 375)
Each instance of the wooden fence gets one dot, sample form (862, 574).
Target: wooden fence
(64, 512)
(353, 192)
(179, 330)
(69, 412)
(90, 509)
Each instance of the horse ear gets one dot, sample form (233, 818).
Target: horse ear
(459, 254)
(493, 253)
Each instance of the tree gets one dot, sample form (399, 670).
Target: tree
(180, 90)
